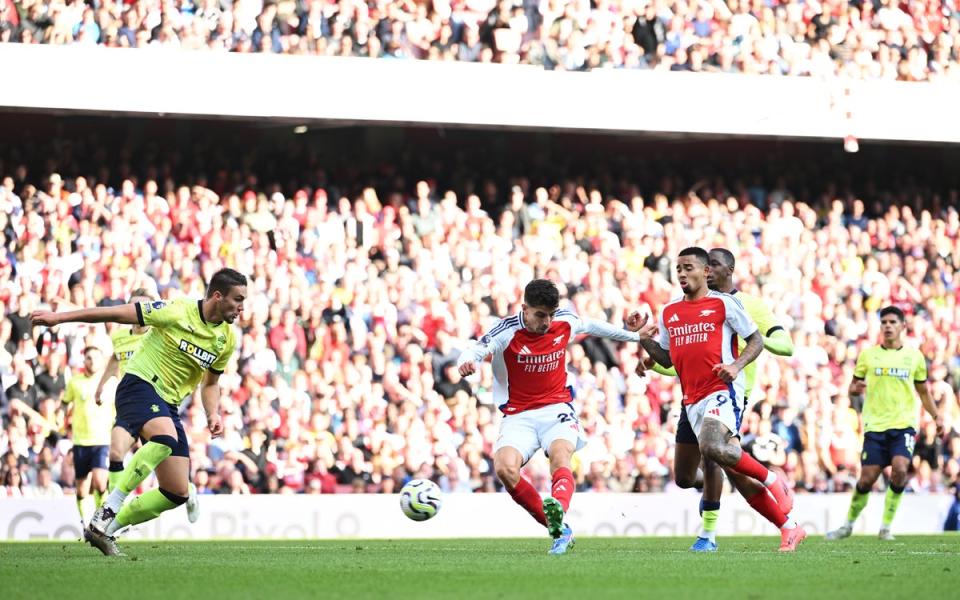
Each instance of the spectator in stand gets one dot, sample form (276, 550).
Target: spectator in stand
(916, 41)
(362, 289)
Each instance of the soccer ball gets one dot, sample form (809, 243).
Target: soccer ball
(420, 499)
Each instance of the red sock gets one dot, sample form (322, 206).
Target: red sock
(563, 487)
(747, 465)
(527, 496)
(763, 503)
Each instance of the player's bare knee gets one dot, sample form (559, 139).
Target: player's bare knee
(898, 477)
(508, 474)
(685, 480)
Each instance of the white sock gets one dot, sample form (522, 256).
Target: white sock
(790, 524)
(113, 527)
(850, 524)
(115, 499)
(710, 535)
(771, 478)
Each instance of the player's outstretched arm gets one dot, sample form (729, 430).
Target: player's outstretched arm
(124, 313)
(493, 341)
(210, 397)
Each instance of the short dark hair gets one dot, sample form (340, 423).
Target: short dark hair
(223, 280)
(90, 349)
(541, 293)
(141, 292)
(893, 310)
(698, 252)
(728, 258)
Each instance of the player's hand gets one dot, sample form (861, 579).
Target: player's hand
(44, 317)
(215, 425)
(467, 369)
(634, 320)
(646, 364)
(99, 400)
(857, 387)
(726, 373)
(642, 325)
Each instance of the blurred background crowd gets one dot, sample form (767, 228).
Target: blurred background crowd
(915, 40)
(367, 280)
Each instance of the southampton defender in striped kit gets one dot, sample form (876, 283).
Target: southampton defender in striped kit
(529, 352)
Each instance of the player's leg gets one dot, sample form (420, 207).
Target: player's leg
(709, 507)
(757, 496)
(81, 468)
(716, 420)
(686, 455)
(98, 475)
(872, 461)
(507, 462)
(514, 447)
(120, 443)
(193, 500)
(162, 440)
(716, 426)
(901, 444)
(173, 475)
(555, 507)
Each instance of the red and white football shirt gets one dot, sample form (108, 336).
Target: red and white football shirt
(529, 369)
(701, 334)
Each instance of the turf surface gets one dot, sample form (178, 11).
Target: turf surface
(860, 567)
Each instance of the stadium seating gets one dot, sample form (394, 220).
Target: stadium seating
(915, 41)
(365, 286)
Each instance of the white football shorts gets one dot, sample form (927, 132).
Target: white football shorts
(530, 430)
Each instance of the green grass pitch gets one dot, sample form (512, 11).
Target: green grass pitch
(861, 567)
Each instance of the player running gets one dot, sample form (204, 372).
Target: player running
(90, 423)
(529, 352)
(126, 341)
(775, 339)
(189, 340)
(698, 333)
(889, 373)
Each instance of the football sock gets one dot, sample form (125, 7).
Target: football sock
(144, 461)
(81, 503)
(97, 498)
(563, 487)
(890, 504)
(116, 469)
(747, 465)
(764, 503)
(857, 504)
(145, 507)
(526, 496)
(711, 512)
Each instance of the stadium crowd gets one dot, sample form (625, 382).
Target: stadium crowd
(916, 40)
(361, 298)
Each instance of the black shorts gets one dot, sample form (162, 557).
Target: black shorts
(88, 458)
(879, 447)
(685, 434)
(138, 402)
